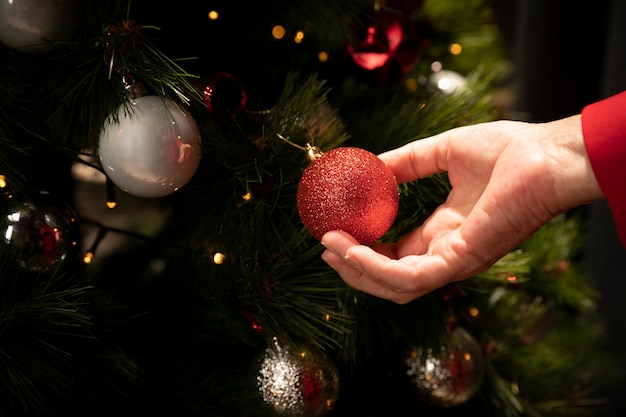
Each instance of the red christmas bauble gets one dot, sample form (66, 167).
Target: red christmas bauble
(224, 96)
(386, 50)
(348, 189)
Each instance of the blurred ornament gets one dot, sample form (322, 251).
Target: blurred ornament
(225, 96)
(387, 49)
(348, 189)
(447, 81)
(33, 25)
(42, 227)
(151, 147)
(450, 375)
(296, 382)
(518, 315)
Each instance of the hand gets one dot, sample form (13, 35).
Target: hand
(508, 179)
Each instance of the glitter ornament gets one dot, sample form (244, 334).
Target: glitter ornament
(348, 189)
(296, 382)
(33, 25)
(151, 147)
(449, 376)
(42, 227)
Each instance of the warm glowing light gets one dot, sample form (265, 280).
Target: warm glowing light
(219, 258)
(247, 196)
(455, 48)
(299, 36)
(327, 317)
(474, 312)
(323, 56)
(88, 258)
(436, 66)
(511, 278)
(411, 84)
(3, 181)
(111, 204)
(213, 15)
(514, 387)
(467, 356)
(278, 32)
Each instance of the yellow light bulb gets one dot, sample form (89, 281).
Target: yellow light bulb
(278, 32)
(455, 48)
(88, 258)
(219, 258)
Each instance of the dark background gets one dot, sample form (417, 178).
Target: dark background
(567, 55)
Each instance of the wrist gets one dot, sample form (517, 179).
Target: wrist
(574, 178)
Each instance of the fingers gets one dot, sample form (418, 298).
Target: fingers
(361, 282)
(378, 274)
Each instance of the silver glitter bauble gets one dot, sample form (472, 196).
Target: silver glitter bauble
(450, 375)
(42, 228)
(297, 382)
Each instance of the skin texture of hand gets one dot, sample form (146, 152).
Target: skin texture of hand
(508, 179)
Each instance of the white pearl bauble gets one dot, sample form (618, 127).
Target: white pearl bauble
(33, 25)
(153, 149)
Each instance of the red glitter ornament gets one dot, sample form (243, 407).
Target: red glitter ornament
(348, 189)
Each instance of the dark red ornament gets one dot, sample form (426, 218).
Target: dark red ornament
(348, 189)
(385, 50)
(225, 96)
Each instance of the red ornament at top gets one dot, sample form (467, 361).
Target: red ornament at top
(348, 189)
(387, 49)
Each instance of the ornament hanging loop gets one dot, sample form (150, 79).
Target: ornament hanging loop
(133, 88)
(312, 151)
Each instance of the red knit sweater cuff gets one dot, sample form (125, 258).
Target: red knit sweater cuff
(604, 131)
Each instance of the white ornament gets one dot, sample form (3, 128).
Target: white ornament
(33, 25)
(447, 81)
(153, 149)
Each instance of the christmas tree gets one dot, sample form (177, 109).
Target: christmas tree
(159, 253)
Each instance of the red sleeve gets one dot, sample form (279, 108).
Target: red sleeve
(604, 130)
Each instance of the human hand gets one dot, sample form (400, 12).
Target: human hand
(508, 179)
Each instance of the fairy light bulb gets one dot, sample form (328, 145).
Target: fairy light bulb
(88, 258)
(278, 32)
(219, 258)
